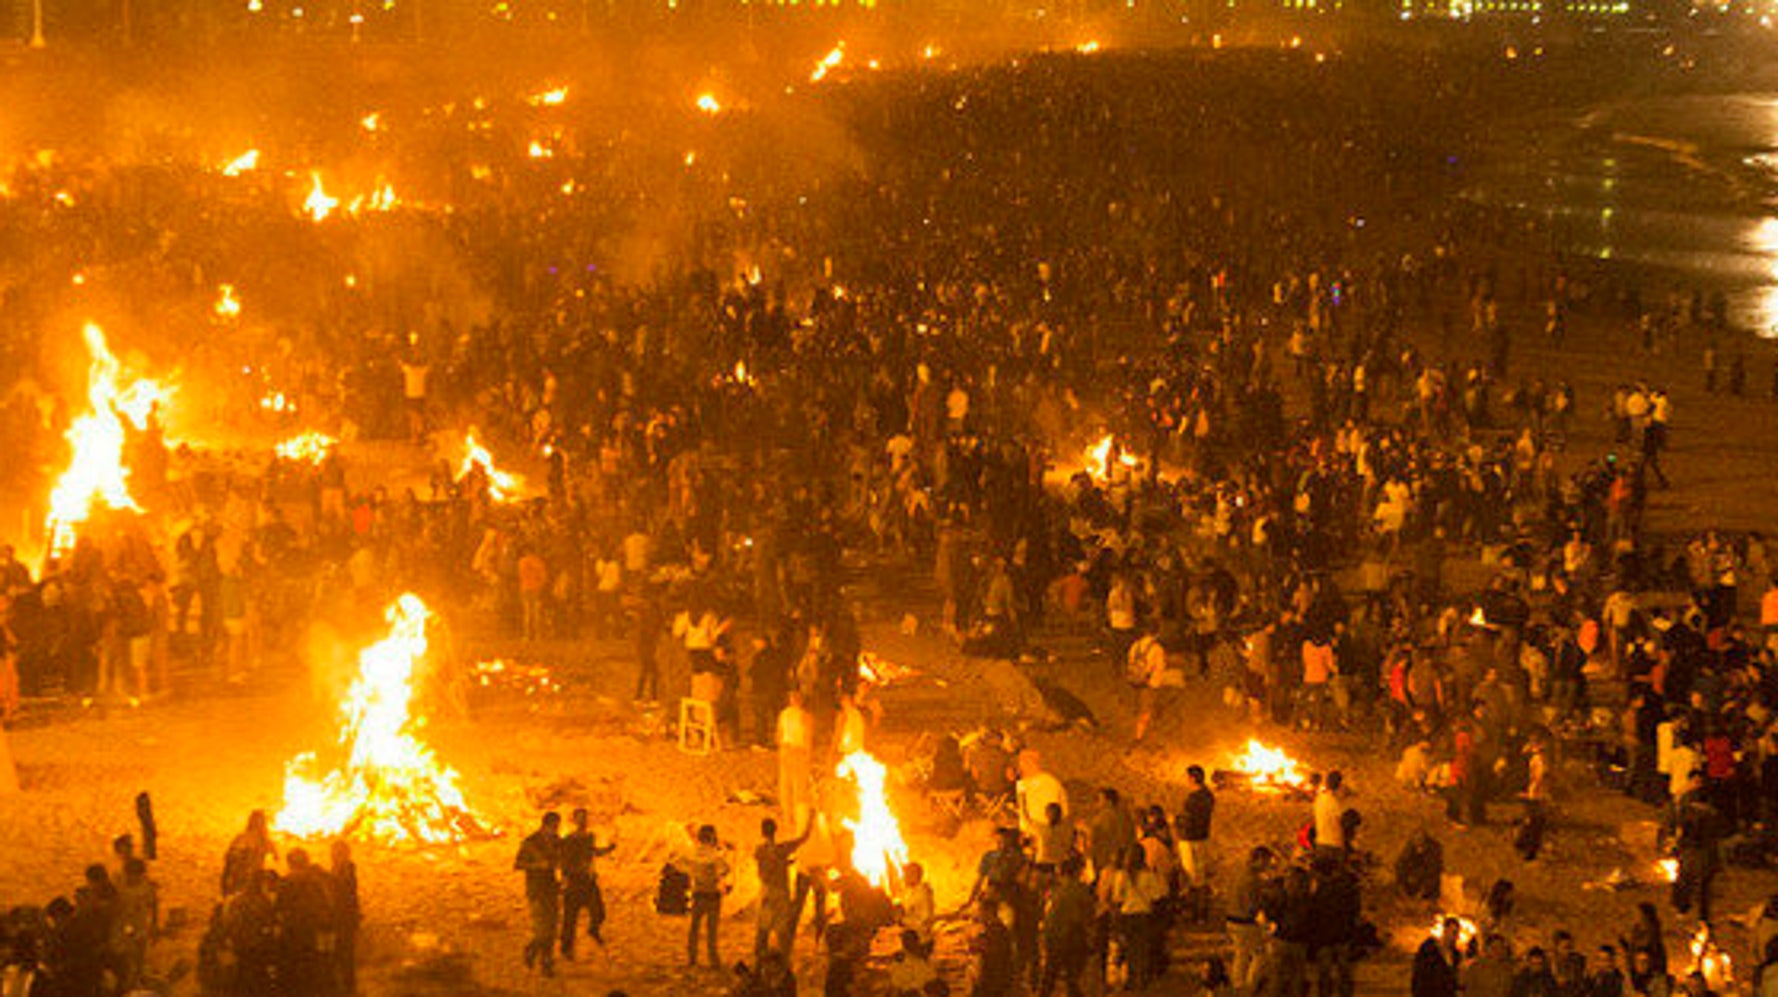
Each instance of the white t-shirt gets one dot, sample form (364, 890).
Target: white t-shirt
(1328, 832)
(1035, 793)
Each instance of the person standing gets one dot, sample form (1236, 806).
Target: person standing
(773, 860)
(1067, 931)
(1194, 843)
(347, 915)
(1243, 916)
(539, 859)
(1330, 829)
(1436, 963)
(650, 621)
(247, 854)
(796, 745)
(580, 883)
(709, 871)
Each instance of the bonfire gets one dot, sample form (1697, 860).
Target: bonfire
(502, 486)
(388, 787)
(96, 475)
(1713, 962)
(1106, 456)
(1265, 769)
(878, 850)
(1466, 929)
(310, 447)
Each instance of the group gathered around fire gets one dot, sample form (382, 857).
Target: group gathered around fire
(1200, 428)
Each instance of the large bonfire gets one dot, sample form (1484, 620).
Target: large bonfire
(96, 474)
(389, 787)
(878, 851)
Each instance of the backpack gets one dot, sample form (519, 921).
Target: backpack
(672, 896)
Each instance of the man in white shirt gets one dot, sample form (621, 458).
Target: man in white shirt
(1036, 790)
(796, 743)
(1330, 831)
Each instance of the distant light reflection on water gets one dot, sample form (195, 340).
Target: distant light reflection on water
(1686, 185)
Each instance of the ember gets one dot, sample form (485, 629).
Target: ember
(389, 788)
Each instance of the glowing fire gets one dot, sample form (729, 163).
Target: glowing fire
(1104, 456)
(742, 374)
(276, 402)
(502, 486)
(1713, 962)
(371, 122)
(381, 199)
(878, 850)
(829, 61)
(548, 98)
(1087, 48)
(311, 446)
(227, 305)
(1269, 769)
(96, 472)
(1465, 929)
(246, 162)
(390, 787)
(709, 104)
(1667, 870)
(539, 151)
(319, 204)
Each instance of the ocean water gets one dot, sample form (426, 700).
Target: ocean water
(1686, 185)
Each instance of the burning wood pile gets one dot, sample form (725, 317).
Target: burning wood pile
(476, 468)
(878, 850)
(97, 475)
(1264, 769)
(388, 787)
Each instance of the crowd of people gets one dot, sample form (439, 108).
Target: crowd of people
(1308, 371)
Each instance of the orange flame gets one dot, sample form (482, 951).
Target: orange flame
(829, 61)
(1714, 963)
(548, 98)
(390, 787)
(502, 486)
(246, 162)
(311, 447)
(1268, 769)
(227, 305)
(319, 204)
(709, 104)
(96, 473)
(877, 846)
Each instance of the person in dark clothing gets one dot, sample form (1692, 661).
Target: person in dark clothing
(1336, 906)
(539, 859)
(1067, 931)
(1193, 828)
(1293, 913)
(250, 927)
(1536, 979)
(992, 949)
(304, 910)
(1436, 963)
(1697, 829)
(1608, 978)
(580, 883)
(347, 915)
